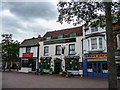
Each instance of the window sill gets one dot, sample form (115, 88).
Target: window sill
(98, 50)
(71, 54)
(58, 54)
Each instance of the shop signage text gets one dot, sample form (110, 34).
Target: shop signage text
(96, 56)
(60, 41)
(27, 54)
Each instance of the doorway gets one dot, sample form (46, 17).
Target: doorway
(57, 66)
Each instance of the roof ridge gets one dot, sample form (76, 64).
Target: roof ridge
(65, 29)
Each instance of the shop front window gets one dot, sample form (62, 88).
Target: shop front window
(89, 67)
(72, 49)
(99, 68)
(104, 68)
(25, 63)
(95, 67)
(45, 64)
(72, 64)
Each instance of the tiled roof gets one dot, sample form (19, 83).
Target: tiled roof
(30, 42)
(77, 30)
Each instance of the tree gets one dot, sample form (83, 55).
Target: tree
(94, 14)
(10, 49)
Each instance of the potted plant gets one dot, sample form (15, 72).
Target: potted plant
(51, 72)
(61, 72)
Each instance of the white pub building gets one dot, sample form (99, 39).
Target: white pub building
(61, 50)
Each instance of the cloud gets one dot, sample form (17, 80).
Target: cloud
(32, 10)
(29, 19)
(22, 29)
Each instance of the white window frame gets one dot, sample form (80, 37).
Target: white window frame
(118, 43)
(98, 46)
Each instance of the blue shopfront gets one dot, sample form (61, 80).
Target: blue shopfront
(95, 65)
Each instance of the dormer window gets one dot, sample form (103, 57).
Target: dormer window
(60, 36)
(48, 38)
(94, 29)
(73, 34)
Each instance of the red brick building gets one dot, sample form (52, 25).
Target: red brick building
(116, 37)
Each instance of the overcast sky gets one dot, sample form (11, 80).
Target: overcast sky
(29, 19)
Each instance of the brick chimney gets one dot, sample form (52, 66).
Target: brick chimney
(39, 36)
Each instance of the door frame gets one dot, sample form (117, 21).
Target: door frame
(59, 61)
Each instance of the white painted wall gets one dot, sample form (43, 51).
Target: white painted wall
(33, 50)
(21, 51)
(52, 51)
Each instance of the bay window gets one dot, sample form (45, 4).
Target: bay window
(95, 43)
(100, 43)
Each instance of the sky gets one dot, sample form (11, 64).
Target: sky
(29, 19)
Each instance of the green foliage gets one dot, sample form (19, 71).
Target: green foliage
(10, 48)
(79, 12)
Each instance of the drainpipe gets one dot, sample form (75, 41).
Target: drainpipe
(82, 58)
(37, 56)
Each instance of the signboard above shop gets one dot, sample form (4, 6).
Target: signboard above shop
(60, 41)
(27, 54)
(95, 56)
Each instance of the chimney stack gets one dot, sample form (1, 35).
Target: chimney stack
(39, 36)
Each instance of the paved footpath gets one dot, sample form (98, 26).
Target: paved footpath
(22, 80)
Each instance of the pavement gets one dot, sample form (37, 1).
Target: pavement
(30, 80)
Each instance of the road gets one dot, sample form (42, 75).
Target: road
(22, 80)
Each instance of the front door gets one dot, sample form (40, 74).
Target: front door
(57, 66)
(97, 70)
